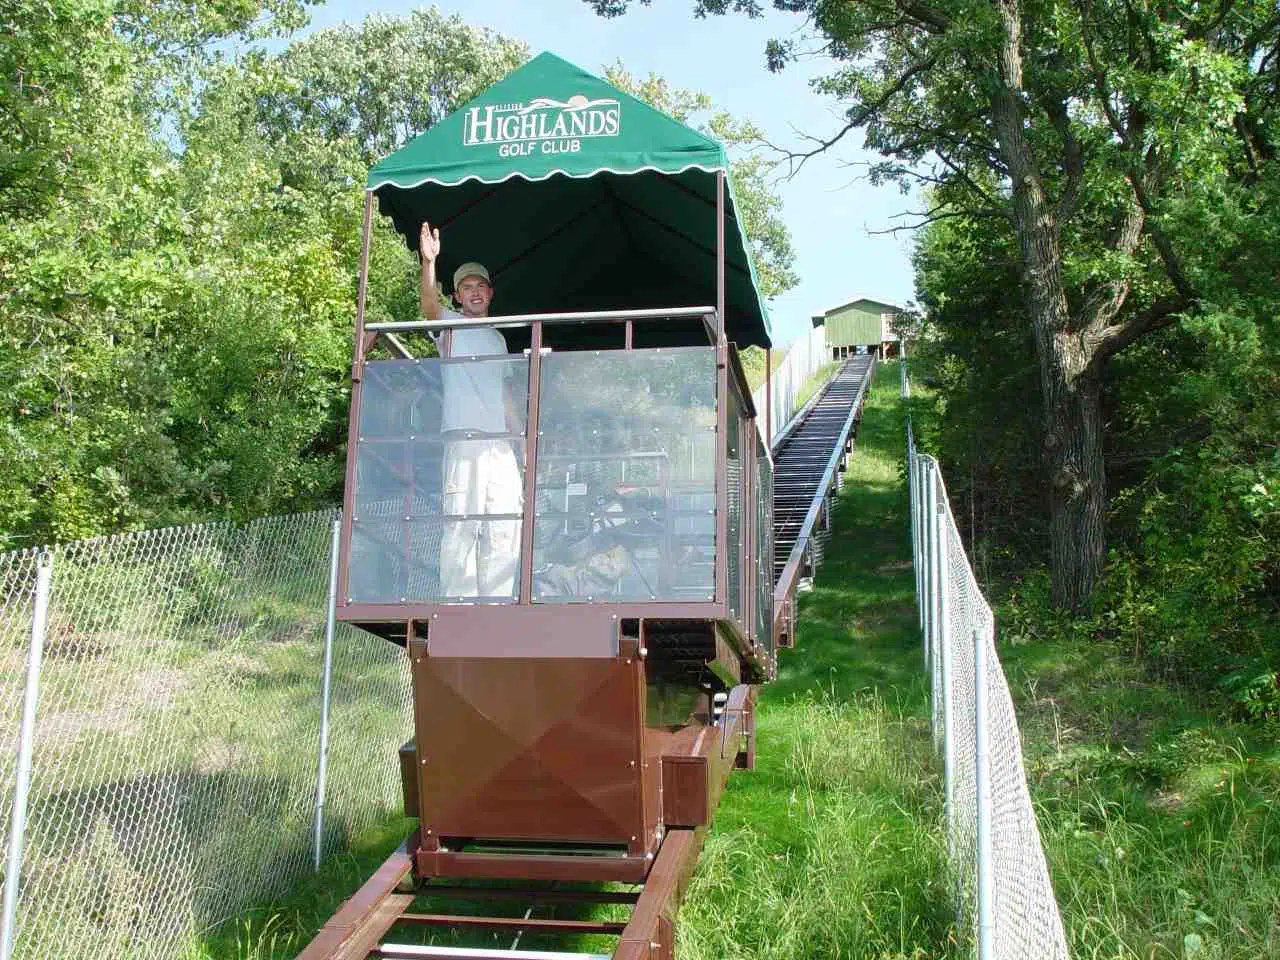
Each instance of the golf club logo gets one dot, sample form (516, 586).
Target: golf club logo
(544, 124)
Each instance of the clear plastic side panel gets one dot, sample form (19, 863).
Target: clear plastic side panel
(439, 481)
(626, 494)
(764, 550)
(733, 502)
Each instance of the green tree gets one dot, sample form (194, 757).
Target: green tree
(178, 268)
(1097, 131)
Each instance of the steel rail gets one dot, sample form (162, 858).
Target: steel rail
(525, 319)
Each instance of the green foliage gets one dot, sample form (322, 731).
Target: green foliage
(759, 205)
(1156, 811)
(177, 272)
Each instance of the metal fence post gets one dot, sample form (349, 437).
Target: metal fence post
(325, 692)
(982, 787)
(946, 641)
(918, 519)
(930, 555)
(938, 523)
(26, 745)
(949, 740)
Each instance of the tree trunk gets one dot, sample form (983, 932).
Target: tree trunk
(1077, 480)
(1073, 423)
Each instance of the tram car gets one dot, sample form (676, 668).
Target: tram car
(583, 579)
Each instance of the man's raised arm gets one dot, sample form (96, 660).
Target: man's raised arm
(428, 296)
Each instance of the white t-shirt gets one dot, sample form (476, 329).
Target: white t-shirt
(474, 392)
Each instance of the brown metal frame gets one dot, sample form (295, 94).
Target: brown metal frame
(347, 609)
(530, 459)
(730, 377)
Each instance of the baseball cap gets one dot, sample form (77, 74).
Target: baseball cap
(470, 270)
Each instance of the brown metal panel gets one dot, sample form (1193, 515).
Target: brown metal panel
(538, 630)
(529, 749)
(409, 778)
(649, 803)
(510, 866)
(684, 791)
(402, 612)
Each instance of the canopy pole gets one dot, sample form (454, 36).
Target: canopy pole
(720, 255)
(530, 463)
(353, 415)
(768, 399)
(366, 232)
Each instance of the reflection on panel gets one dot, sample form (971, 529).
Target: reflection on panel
(625, 506)
(439, 481)
(764, 550)
(733, 494)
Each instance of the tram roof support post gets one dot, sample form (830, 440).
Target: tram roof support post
(720, 293)
(768, 401)
(366, 233)
(353, 419)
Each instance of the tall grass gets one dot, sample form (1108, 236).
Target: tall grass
(1161, 816)
(832, 847)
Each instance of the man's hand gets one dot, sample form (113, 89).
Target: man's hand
(429, 247)
(429, 243)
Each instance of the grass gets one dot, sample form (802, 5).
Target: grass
(1160, 815)
(831, 848)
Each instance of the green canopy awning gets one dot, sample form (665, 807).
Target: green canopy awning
(576, 196)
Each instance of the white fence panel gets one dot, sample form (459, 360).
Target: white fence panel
(804, 358)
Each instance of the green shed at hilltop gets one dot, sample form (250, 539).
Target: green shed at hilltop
(860, 326)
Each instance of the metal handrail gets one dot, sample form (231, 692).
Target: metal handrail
(524, 319)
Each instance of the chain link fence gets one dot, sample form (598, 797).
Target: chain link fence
(999, 877)
(175, 750)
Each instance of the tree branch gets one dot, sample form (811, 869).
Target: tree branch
(1072, 160)
(937, 214)
(1109, 341)
(855, 118)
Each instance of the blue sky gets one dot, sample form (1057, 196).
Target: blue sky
(828, 208)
